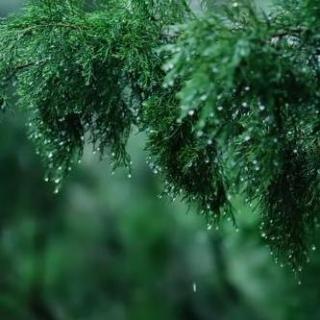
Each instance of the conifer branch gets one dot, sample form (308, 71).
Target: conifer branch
(229, 110)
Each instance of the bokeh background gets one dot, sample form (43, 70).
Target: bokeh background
(107, 247)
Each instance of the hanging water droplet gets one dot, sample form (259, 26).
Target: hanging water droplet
(204, 97)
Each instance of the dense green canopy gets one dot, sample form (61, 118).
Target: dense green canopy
(229, 100)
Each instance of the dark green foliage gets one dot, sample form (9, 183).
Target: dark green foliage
(229, 101)
(253, 81)
(189, 161)
(81, 74)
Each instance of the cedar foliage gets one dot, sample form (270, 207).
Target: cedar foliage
(229, 100)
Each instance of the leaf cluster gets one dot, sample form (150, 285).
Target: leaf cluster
(81, 75)
(250, 81)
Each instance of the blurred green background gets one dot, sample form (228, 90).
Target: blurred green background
(108, 248)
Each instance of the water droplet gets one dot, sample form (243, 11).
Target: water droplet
(194, 287)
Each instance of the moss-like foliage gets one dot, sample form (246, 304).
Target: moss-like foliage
(229, 100)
